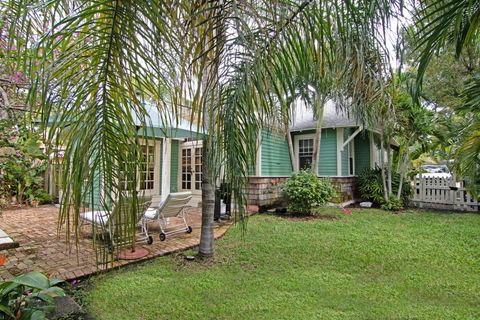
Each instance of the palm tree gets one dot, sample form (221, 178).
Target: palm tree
(234, 60)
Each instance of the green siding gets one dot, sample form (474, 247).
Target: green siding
(345, 153)
(362, 152)
(94, 194)
(161, 162)
(275, 156)
(252, 166)
(327, 163)
(252, 169)
(174, 167)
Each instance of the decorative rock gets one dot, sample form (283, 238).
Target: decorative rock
(65, 306)
(366, 204)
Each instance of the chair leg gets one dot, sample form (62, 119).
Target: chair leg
(163, 235)
(145, 231)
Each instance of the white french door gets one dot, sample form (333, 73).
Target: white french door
(191, 167)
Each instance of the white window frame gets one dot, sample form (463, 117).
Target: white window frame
(297, 139)
(188, 145)
(156, 169)
(351, 154)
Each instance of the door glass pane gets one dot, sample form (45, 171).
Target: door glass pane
(305, 153)
(147, 168)
(198, 168)
(186, 169)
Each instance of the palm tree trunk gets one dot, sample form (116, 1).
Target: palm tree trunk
(206, 248)
(293, 160)
(382, 165)
(403, 171)
(210, 99)
(318, 135)
(389, 169)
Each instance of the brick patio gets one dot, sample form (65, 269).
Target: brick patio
(42, 249)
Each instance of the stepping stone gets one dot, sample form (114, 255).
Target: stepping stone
(6, 242)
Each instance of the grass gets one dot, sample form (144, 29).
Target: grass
(368, 265)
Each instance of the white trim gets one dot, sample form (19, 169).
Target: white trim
(351, 154)
(258, 162)
(188, 145)
(352, 137)
(373, 151)
(339, 150)
(157, 146)
(166, 160)
(296, 149)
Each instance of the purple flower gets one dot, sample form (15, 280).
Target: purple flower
(18, 78)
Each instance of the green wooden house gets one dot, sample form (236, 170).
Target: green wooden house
(346, 149)
(173, 156)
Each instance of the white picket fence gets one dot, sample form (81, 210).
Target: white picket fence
(443, 193)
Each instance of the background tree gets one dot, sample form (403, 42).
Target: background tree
(441, 25)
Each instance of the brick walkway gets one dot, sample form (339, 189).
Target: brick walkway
(41, 249)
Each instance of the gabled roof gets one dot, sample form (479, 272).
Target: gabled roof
(332, 118)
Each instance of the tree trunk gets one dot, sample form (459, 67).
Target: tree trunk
(382, 166)
(389, 169)
(210, 100)
(403, 167)
(290, 147)
(318, 135)
(403, 171)
(206, 248)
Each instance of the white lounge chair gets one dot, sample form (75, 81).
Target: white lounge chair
(174, 205)
(111, 225)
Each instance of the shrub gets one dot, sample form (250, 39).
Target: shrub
(304, 190)
(22, 162)
(41, 195)
(370, 187)
(393, 204)
(28, 296)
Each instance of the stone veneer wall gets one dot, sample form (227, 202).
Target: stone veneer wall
(267, 191)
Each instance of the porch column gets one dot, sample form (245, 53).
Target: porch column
(258, 157)
(165, 172)
(339, 150)
(373, 150)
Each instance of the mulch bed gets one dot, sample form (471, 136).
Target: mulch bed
(309, 217)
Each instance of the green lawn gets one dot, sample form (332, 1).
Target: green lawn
(368, 265)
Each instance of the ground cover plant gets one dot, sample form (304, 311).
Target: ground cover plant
(369, 264)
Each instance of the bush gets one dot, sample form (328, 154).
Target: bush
(370, 187)
(28, 296)
(393, 204)
(304, 190)
(41, 195)
(22, 161)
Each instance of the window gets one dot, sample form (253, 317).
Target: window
(186, 169)
(198, 168)
(130, 171)
(147, 168)
(305, 153)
